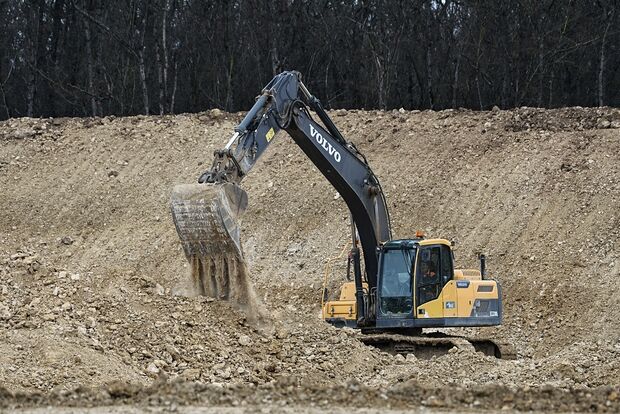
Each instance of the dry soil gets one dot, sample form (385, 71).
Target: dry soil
(96, 306)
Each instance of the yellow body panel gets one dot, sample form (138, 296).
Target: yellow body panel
(345, 307)
(467, 274)
(432, 309)
(449, 300)
(458, 302)
(429, 242)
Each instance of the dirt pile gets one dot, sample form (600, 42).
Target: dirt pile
(94, 283)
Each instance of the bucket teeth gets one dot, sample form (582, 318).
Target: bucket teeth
(206, 218)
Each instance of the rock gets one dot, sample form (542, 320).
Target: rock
(31, 259)
(401, 110)
(66, 306)
(75, 276)
(67, 241)
(22, 134)
(49, 317)
(244, 340)
(282, 333)
(225, 373)
(19, 255)
(152, 369)
(215, 113)
(173, 351)
(160, 363)
(495, 108)
(293, 248)
(191, 374)
(113, 173)
(63, 274)
(434, 401)
(603, 123)
(5, 313)
(159, 289)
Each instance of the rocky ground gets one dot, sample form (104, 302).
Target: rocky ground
(95, 304)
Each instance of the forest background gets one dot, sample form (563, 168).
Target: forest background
(126, 57)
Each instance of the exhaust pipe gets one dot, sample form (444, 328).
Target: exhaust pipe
(483, 264)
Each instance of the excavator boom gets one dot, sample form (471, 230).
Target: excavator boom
(206, 214)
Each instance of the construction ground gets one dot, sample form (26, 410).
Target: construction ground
(96, 305)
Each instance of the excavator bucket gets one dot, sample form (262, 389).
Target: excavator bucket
(206, 219)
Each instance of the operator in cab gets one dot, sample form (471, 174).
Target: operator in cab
(428, 290)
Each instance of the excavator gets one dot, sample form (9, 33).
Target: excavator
(395, 287)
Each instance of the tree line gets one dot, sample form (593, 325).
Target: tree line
(124, 57)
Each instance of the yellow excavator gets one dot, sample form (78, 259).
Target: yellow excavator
(397, 286)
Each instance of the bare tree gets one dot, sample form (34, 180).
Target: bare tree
(609, 17)
(90, 63)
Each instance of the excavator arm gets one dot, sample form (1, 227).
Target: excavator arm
(285, 104)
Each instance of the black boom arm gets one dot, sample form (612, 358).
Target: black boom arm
(284, 105)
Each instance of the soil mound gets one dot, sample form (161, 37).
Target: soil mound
(92, 274)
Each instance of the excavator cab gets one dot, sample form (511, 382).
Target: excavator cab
(418, 287)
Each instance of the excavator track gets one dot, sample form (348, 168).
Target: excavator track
(425, 346)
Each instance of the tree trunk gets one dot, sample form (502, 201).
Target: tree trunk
(160, 81)
(90, 70)
(550, 102)
(33, 58)
(601, 70)
(164, 46)
(4, 101)
(380, 82)
(455, 82)
(503, 99)
(145, 90)
(174, 87)
(541, 72)
(141, 62)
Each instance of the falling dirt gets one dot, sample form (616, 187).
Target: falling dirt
(94, 309)
(226, 277)
(207, 219)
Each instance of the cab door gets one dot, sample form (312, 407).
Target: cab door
(435, 296)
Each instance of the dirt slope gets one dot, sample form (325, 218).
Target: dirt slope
(94, 283)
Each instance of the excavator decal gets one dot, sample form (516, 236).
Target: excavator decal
(325, 144)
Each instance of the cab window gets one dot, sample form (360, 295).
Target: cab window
(446, 269)
(434, 270)
(396, 290)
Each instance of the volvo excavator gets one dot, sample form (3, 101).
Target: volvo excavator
(397, 287)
